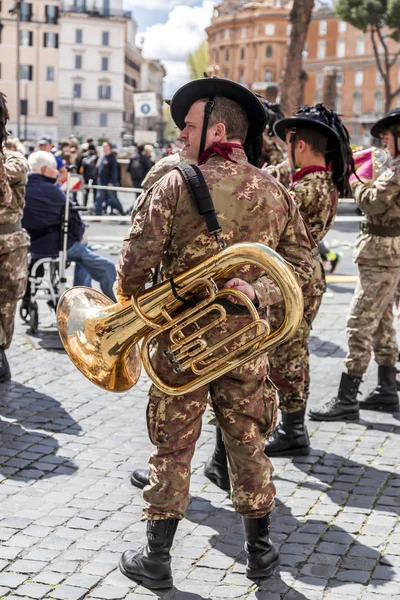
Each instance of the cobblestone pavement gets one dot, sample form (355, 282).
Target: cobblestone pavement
(67, 509)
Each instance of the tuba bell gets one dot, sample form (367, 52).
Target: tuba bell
(379, 159)
(102, 338)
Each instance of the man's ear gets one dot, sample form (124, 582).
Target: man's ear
(219, 131)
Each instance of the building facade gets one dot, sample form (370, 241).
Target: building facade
(151, 80)
(38, 36)
(92, 87)
(132, 67)
(360, 90)
(247, 43)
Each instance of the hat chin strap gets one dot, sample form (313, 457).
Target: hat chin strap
(207, 113)
(292, 142)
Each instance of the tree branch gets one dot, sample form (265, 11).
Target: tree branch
(376, 53)
(394, 59)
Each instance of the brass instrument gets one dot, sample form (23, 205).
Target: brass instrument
(101, 338)
(380, 161)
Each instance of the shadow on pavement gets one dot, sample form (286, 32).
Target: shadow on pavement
(46, 339)
(368, 480)
(324, 348)
(343, 288)
(25, 418)
(228, 539)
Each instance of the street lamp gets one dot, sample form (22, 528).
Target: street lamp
(15, 9)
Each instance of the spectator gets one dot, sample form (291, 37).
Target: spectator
(45, 144)
(88, 168)
(108, 176)
(136, 170)
(43, 217)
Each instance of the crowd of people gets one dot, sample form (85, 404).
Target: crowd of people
(289, 203)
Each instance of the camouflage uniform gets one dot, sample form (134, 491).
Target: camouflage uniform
(317, 197)
(165, 226)
(272, 153)
(13, 246)
(162, 167)
(370, 320)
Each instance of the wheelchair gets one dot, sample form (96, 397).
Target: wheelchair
(43, 284)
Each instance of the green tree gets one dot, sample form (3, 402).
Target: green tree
(171, 131)
(294, 77)
(381, 20)
(197, 61)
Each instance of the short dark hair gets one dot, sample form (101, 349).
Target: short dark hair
(317, 142)
(232, 115)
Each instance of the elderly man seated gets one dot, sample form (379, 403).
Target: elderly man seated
(43, 216)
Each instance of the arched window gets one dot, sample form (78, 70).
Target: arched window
(268, 76)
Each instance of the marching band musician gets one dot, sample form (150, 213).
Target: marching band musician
(216, 117)
(321, 161)
(370, 321)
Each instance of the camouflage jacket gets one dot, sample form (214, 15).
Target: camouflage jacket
(162, 167)
(13, 177)
(380, 202)
(250, 206)
(272, 153)
(317, 198)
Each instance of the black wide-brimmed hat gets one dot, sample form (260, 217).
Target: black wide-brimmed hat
(214, 86)
(391, 118)
(309, 117)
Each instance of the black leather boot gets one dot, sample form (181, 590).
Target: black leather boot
(262, 555)
(5, 373)
(345, 406)
(290, 437)
(216, 468)
(140, 478)
(384, 397)
(151, 566)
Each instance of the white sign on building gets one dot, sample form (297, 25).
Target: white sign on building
(145, 104)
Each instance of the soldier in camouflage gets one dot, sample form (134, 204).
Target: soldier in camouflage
(14, 241)
(216, 117)
(272, 152)
(313, 135)
(370, 321)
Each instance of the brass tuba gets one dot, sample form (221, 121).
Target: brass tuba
(380, 161)
(101, 338)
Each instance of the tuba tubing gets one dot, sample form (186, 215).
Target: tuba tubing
(102, 338)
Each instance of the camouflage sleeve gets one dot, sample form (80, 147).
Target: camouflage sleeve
(376, 199)
(5, 192)
(147, 239)
(295, 247)
(281, 172)
(16, 167)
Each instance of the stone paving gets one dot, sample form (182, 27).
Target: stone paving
(68, 511)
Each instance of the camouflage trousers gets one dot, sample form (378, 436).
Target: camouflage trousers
(290, 362)
(13, 276)
(370, 321)
(244, 402)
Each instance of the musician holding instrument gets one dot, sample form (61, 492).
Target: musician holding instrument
(377, 253)
(217, 117)
(321, 162)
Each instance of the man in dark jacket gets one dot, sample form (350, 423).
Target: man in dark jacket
(108, 176)
(88, 168)
(43, 217)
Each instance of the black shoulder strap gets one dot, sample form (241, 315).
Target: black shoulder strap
(201, 197)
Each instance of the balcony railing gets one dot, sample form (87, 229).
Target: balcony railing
(92, 11)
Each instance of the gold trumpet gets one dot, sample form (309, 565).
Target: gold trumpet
(102, 338)
(379, 159)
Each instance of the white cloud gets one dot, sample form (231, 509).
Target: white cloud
(173, 41)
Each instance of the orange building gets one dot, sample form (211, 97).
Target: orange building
(247, 42)
(360, 92)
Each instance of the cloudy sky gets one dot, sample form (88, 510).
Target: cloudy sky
(171, 29)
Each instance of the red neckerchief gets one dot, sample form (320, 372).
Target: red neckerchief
(222, 149)
(307, 170)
